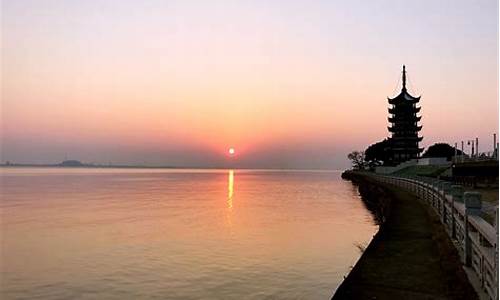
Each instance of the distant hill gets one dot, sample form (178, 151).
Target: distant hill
(71, 163)
(77, 163)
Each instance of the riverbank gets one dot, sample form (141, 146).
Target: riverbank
(410, 257)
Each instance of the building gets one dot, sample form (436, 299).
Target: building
(404, 127)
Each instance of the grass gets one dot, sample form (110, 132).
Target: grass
(429, 171)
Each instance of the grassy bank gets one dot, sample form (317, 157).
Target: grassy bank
(411, 257)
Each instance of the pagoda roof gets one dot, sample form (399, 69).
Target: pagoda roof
(403, 97)
(394, 128)
(411, 119)
(407, 149)
(397, 109)
(407, 138)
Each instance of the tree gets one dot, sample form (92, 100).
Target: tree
(357, 159)
(441, 150)
(378, 153)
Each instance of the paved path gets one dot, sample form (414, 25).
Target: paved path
(408, 259)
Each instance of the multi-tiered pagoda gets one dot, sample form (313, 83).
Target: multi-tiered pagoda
(404, 126)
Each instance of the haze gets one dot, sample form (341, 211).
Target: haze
(288, 84)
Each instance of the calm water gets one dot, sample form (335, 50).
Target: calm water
(177, 234)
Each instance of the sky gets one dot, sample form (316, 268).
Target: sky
(288, 84)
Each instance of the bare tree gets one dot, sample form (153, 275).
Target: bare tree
(357, 159)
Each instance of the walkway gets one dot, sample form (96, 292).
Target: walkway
(411, 258)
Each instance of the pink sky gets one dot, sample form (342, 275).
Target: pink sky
(286, 83)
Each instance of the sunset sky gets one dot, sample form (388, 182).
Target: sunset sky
(288, 84)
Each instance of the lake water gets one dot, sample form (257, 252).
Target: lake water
(177, 234)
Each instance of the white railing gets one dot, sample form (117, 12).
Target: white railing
(483, 156)
(460, 214)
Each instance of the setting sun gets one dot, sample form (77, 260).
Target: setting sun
(121, 119)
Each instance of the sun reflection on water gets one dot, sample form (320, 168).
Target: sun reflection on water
(198, 222)
(230, 190)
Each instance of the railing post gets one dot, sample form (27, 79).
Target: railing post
(427, 190)
(417, 187)
(438, 195)
(420, 190)
(446, 190)
(457, 194)
(435, 185)
(441, 195)
(472, 202)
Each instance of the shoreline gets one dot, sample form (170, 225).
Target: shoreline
(88, 166)
(409, 257)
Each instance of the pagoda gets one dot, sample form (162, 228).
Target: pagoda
(404, 126)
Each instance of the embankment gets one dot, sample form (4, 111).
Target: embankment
(411, 257)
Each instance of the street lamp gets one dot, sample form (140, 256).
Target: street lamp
(455, 154)
(471, 143)
(463, 153)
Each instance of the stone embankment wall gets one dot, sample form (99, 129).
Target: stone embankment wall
(375, 197)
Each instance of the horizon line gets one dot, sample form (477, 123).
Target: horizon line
(100, 166)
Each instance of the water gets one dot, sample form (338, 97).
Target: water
(177, 234)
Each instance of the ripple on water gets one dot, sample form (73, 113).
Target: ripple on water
(171, 234)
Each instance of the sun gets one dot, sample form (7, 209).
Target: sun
(231, 151)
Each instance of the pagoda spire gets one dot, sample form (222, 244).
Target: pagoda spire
(404, 78)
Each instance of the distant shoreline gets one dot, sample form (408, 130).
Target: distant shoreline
(92, 166)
